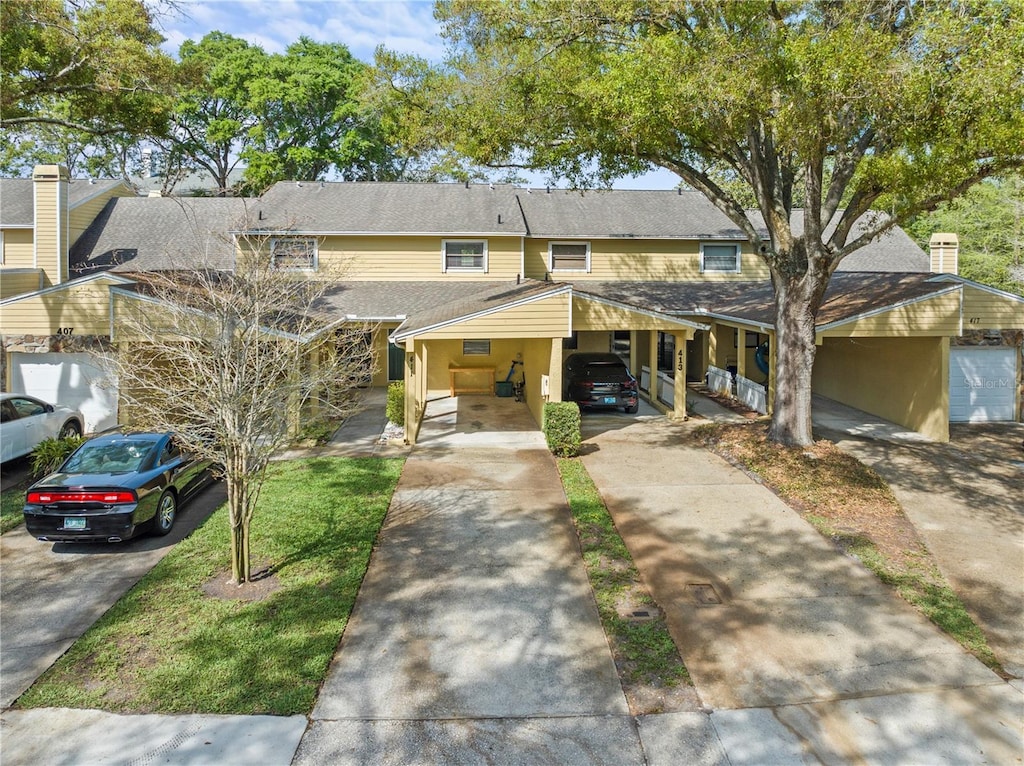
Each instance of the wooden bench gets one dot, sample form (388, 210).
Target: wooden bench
(454, 369)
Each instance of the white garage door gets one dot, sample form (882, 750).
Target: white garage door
(74, 380)
(982, 384)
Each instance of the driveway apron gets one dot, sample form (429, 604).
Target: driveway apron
(475, 635)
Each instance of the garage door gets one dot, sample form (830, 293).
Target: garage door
(74, 380)
(982, 384)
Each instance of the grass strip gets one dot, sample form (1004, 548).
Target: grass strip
(853, 506)
(168, 647)
(644, 652)
(12, 500)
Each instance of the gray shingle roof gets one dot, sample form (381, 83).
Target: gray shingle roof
(135, 234)
(392, 208)
(848, 295)
(625, 214)
(16, 199)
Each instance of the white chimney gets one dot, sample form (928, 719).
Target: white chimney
(945, 253)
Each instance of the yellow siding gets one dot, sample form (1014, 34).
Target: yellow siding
(636, 260)
(85, 212)
(380, 258)
(18, 251)
(986, 311)
(51, 233)
(77, 310)
(936, 316)
(591, 315)
(545, 318)
(17, 282)
(899, 379)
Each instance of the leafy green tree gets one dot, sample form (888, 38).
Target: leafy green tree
(989, 221)
(862, 106)
(94, 66)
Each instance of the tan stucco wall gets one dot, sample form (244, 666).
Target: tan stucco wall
(413, 258)
(18, 249)
(640, 259)
(904, 380)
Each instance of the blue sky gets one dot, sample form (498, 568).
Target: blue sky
(407, 26)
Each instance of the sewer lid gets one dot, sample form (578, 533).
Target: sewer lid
(703, 594)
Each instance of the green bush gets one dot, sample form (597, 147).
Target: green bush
(562, 428)
(50, 453)
(395, 409)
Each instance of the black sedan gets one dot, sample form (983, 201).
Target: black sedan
(113, 487)
(595, 380)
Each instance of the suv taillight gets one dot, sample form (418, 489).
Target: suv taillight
(42, 497)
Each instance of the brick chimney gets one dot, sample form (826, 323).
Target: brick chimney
(50, 235)
(945, 253)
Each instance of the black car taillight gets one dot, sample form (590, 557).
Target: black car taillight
(114, 497)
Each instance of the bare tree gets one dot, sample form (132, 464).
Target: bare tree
(231, 359)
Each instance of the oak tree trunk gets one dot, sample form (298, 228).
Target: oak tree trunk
(797, 299)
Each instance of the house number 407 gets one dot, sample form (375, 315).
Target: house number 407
(65, 330)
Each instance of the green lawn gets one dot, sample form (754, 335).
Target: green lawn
(168, 647)
(12, 500)
(644, 652)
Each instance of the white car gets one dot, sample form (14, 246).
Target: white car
(25, 421)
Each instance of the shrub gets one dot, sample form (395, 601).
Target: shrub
(50, 453)
(562, 428)
(395, 409)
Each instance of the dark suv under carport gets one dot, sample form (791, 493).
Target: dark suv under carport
(599, 380)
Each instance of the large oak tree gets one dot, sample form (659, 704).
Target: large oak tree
(853, 107)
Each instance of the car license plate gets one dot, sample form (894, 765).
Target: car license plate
(609, 400)
(76, 522)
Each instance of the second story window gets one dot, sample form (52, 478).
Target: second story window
(720, 258)
(465, 255)
(294, 253)
(569, 256)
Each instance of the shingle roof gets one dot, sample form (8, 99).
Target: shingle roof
(625, 214)
(16, 199)
(425, 304)
(849, 295)
(392, 208)
(135, 234)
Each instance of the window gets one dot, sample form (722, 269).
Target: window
(569, 256)
(294, 253)
(720, 258)
(476, 348)
(465, 255)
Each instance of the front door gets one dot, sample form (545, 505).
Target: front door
(396, 362)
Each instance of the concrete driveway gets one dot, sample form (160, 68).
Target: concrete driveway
(475, 637)
(50, 593)
(966, 500)
(800, 651)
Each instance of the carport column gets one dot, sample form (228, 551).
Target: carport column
(634, 357)
(679, 389)
(741, 352)
(412, 391)
(652, 357)
(555, 371)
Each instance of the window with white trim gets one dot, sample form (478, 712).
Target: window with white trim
(294, 253)
(569, 256)
(464, 255)
(720, 257)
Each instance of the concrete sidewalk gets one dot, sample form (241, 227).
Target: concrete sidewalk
(802, 654)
